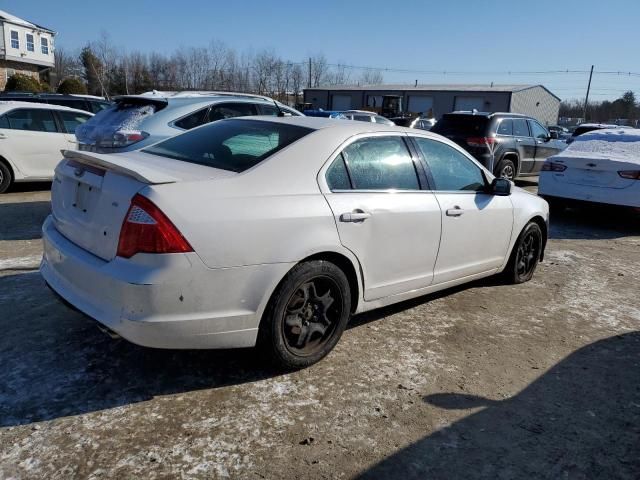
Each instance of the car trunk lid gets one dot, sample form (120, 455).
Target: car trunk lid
(593, 170)
(91, 193)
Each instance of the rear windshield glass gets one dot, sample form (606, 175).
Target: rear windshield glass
(403, 122)
(122, 116)
(461, 125)
(581, 130)
(235, 145)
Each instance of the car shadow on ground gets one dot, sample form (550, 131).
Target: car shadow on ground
(57, 363)
(30, 187)
(580, 419)
(586, 222)
(23, 221)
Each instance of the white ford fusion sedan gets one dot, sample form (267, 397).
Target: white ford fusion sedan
(274, 231)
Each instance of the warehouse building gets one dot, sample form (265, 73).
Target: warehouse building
(436, 100)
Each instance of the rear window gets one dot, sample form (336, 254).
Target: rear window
(581, 130)
(467, 125)
(121, 116)
(234, 145)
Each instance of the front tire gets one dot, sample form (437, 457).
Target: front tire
(6, 178)
(525, 255)
(306, 315)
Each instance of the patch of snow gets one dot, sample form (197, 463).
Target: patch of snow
(617, 144)
(30, 261)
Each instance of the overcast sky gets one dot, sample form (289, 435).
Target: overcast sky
(474, 41)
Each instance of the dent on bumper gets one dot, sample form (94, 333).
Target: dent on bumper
(162, 301)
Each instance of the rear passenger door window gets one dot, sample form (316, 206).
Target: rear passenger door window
(450, 170)
(520, 128)
(337, 175)
(231, 110)
(70, 120)
(505, 127)
(380, 163)
(35, 120)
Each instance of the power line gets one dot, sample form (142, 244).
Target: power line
(469, 72)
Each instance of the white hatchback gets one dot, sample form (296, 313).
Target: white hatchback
(32, 136)
(275, 230)
(602, 166)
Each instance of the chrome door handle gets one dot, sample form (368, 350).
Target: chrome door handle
(357, 216)
(539, 142)
(2, 135)
(455, 211)
(519, 140)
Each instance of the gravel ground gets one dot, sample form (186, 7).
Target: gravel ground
(540, 380)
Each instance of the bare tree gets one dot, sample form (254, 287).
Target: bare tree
(319, 69)
(66, 65)
(297, 80)
(371, 77)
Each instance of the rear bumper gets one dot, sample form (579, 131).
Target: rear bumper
(161, 301)
(551, 186)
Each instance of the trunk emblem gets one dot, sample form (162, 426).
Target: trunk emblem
(78, 172)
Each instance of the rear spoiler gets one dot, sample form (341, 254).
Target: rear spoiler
(131, 168)
(158, 102)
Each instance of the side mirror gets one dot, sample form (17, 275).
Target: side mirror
(554, 135)
(501, 187)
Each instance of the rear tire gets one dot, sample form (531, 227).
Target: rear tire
(525, 255)
(306, 315)
(6, 178)
(506, 169)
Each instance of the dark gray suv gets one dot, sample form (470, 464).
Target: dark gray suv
(508, 144)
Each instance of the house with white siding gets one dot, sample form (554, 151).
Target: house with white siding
(25, 48)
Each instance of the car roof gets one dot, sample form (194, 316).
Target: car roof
(9, 104)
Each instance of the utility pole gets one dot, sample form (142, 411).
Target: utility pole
(309, 72)
(586, 99)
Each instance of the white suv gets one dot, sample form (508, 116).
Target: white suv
(31, 137)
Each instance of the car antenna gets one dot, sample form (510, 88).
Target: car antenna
(280, 112)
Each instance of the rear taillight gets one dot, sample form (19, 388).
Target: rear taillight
(480, 141)
(123, 138)
(630, 174)
(147, 230)
(553, 167)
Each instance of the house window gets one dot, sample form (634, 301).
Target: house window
(15, 42)
(44, 44)
(30, 45)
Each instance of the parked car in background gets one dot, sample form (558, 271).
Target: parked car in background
(508, 144)
(87, 103)
(601, 166)
(136, 121)
(563, 132)
(421, 123)
(170, 232)
(31, 138)
(365, 116)
(590, 127)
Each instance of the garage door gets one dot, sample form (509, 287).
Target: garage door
(341, 102)
(421, 104)
(469, 103)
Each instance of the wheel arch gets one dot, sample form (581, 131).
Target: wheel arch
(346, 265)
(514, 157)
(8, 164)
(545, 232)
